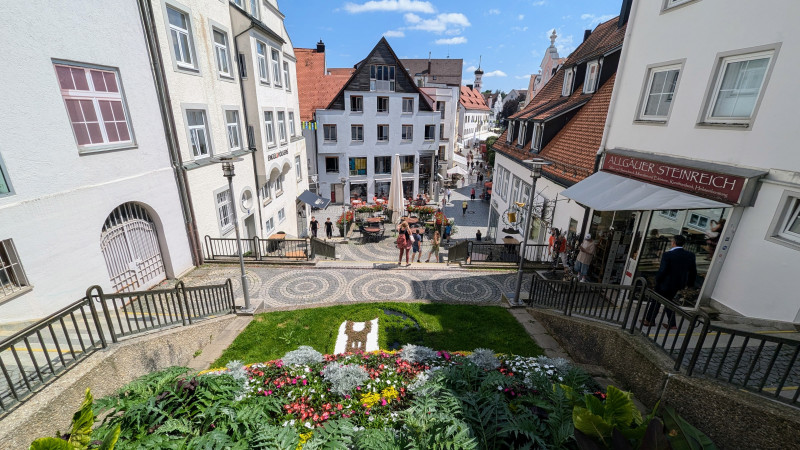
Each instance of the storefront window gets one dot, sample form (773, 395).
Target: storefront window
(408, 188)
(407, 164)
(358, 190)
(382, 188)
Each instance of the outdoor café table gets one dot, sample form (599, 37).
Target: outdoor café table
(374, 219)
(411, 220)
(372, 232)
(511, 245)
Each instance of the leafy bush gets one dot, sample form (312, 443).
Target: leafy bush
(344, 378)
(304, 355)
(417, 353)
(485, 359)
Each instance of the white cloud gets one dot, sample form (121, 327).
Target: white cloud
(521, 16)
(441, 24)
(495, 73)
(453, 32)
(519, 28)
(540, 3)
(564, 44)
(390, 5)
(394, 34)
(522, 77)
(494, 12)
(471, 69)
(593, 20)
(412, 18)
(452, 41)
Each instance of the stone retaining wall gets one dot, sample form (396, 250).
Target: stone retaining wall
(104, 372)
(732, 418)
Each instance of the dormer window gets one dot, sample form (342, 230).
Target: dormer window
(569, 76)
(536, 141)
(510, 134)
(592, 74)
(381, 78)
(521, 135)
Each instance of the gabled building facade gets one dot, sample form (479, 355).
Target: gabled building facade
(547, 68)
(473, 115)
(379, 112)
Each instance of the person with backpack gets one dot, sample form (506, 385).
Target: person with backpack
(403, 242)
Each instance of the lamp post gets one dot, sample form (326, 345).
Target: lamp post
(536, 172)
(227, 172)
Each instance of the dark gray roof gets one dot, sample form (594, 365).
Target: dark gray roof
(446, 71)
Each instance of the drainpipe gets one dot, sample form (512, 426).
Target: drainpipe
(165, 106)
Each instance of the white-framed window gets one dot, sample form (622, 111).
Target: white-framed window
(358, 166)
(222, 53)
(254, 9)
(279, 184)
(659, 92)
(357, 133)
(671, 214)
(381, 78)
(786, 227)
(441, 106)
(224, 210)
(286, 78)
(298, 169)
(239, 3)
(356, 103)
(198, 133)
(430, 132)
(592, 74)
(269, 226)
(569, 75)
(383, 133)
(383, 165)
(292, 130)
(282, 126)
(12, 275)
(668, 4)
(266, 192)
(5, 183)
(698, 221)
(261, 57)
(510, 132)
(269, 130)
(181, 37)
(536, 140)
(232, 125)
(95, 106)
(738, 87)
(383, 104)
(407, 163)
(523, 128)
(276, 64)
(408, 105)
(329, 133)
(506, 184)
(407, 133)
(515, 190)
(331, 164)
(281, 215)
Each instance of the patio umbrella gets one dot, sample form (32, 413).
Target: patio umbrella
(396, 203)
(457, 170)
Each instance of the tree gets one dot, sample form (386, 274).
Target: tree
(490, 149)
(510, 108)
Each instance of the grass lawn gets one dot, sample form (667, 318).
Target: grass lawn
(442, 327)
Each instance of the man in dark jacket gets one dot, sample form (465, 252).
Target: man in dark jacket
(678, 270)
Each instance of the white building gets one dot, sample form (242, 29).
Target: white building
(87, 192)
(378, 113)
(707, 120)
(473, 115)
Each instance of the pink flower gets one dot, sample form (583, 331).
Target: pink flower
(383, 402)
(305, 382)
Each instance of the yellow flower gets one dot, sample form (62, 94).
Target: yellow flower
(371, 399)
(390, 394)
(304, 437)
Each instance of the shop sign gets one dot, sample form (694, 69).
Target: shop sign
(716, 186)
(277, 155)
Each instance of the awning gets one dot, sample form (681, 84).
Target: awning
(457, 170)
(313, 200)
(605, 191)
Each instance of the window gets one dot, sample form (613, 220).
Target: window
(266, 192)
(281, 215)
(254, 8)
(329, 133)
(356, 103)
(261, 56)
(279, 185)
(592, 72)
(292, 131)
(198, 132)
(357, 133)
(441, 107)
(242, 66)
(282, 126)
(698, 221)
(95, 106)
(221, 52)
(232, 124)
(383, 104)
(276, 71)
(239, 3)
(286, 78)
(660, 91)
(430, 132)
(673, 3)
(298, 169)
(407, 164)
(383, 164)
(521, 133)
(269, 131)
(5, 184)
(358, 166)
(383, 133)
(12, 276)
(407, 133)
(408, 105)
(441, 133)
(224, 210)
(381, 78)
(510, 132)
(568, 78)
(536, 142)
(181, 38)
(331, 164)
(671, 214)
(269, 226)
(786, 224)
(738, 87)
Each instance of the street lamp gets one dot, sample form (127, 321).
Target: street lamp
(536, 172)
(227, 172)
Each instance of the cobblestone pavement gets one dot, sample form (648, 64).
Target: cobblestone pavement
(281, 287)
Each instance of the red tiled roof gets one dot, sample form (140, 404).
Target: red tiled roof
(315, 88)
(472, 99)
(607, 36)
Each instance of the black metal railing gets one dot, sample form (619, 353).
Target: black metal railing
(256, 249)
(458, 252)
(320, 248)
(34, 356)
(761, 363)
(486, 252)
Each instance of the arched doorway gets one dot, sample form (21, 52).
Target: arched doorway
(129, 242)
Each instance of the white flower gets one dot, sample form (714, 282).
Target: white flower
(499, 388)
(307, 425)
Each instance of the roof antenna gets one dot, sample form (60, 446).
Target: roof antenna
(479, 61)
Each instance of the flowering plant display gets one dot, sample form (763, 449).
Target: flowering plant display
(346, 217)
(369, 208)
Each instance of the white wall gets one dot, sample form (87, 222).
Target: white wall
(61, 198)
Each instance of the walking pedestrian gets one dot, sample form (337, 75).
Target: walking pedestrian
(329, 228)
(678, 270)
(314, 226)
(434, 247)
(464, 208)
(585, 254)
(447, 193)
(416, 245)
(472, 194)
(448, 230)
(403, 242)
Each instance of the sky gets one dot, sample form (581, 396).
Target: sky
(509, 37)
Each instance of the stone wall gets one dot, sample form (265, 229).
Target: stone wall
(104, 372)
(730, 417)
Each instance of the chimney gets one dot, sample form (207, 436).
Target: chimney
(429, 63)
(320, 47)
(469, 86)
(586, 34)
(624, 12)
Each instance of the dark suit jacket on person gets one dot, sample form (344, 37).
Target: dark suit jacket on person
(677, 271)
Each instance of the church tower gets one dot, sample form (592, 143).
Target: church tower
(478, 76)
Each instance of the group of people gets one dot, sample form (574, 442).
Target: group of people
(315, 227)
(557, 249)
(410, 240)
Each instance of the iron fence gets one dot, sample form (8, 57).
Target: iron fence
(458, 252)
(486, 252)
(256, 249)
(320, 248)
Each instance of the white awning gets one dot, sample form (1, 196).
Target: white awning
(605, 191)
